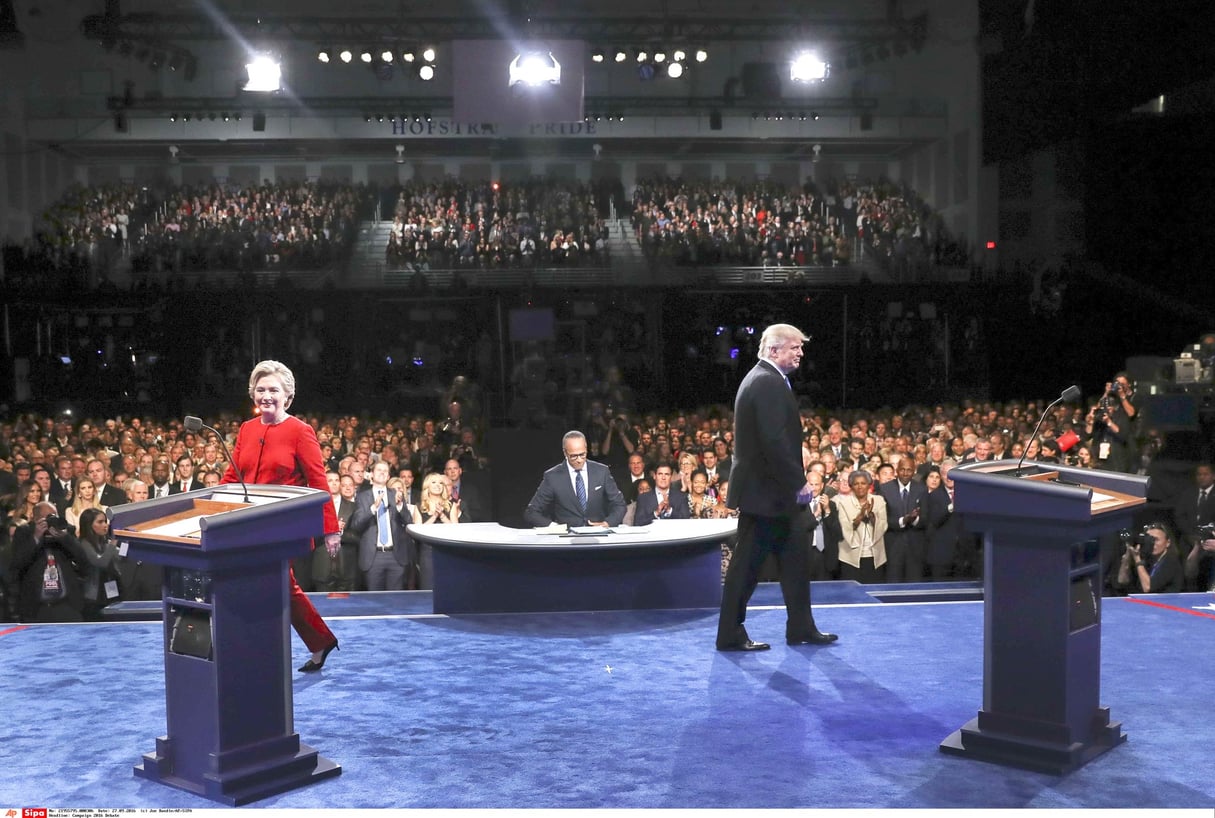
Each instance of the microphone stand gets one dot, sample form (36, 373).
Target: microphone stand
(193, 424)
(1071, 393)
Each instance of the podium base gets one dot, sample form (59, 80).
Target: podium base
(247, 784)
(1043, 756)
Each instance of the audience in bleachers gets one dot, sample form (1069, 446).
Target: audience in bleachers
(725, 222)
(456, 224)
(286, 226)
(89, 232)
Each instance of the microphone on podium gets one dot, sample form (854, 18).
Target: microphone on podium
(193, 424)
(1072, 393)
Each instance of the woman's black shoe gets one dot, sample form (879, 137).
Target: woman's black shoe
(311, 666)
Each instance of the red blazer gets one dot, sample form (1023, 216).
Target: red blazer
(284, 454)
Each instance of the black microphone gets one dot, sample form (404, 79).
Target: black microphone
(193, 424)
(1070, 394)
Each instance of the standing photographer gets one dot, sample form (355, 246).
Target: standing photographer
(1157, 572)
(48, 563)
(1111, 426)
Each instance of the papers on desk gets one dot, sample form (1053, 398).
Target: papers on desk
(591, 529)
(551, 528)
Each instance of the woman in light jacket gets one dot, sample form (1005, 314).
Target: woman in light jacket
(862, 520)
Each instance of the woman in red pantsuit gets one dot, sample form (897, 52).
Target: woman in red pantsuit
(276, 448)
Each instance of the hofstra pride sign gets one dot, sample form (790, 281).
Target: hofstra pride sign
(452, 128)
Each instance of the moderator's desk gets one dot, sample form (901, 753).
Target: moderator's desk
(488, 568)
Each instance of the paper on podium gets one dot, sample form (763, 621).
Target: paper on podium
(551, 528)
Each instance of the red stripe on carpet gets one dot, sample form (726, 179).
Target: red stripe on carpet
(13, 630)
(1190, 611)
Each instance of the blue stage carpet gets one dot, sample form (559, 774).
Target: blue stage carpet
(626, 710)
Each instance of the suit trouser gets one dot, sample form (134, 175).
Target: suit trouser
(306, 621)
(757, 538)
(904, 557)
(385, 573)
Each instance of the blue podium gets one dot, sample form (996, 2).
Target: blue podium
(227, 648)
(1041, 610)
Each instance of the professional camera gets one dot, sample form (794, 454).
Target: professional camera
(1206, 532)
(54, 521)
(1115, 388)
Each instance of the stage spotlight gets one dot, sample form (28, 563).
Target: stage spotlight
(408, 55)
(236, 116)
(621, 55)
(680, 55)
(345, 55)
(701, 55)
(426, 72)
(175, 62)
(808, 67)
(428, 54)
(323, 55)
(675, 70)
(365, 56)
(597, 55)
(173, 117)
(814, 115)
(642, 55)
(185, 117)
(366, 117)
(801, 115)
(226, 116)
(379, 117)
(534, 68)
(386, 56)
(660, 56)
(265, 74)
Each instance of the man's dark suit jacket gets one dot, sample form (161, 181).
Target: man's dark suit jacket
(917, 495)
(59, 497)
(1190, 516)
(364, 524)
(944, 528)
(766, 474)
(114, 496)
(647, 507)
(471, 508)
(177, 486)
(555, 501)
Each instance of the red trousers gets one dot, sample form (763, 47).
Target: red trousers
(306, 621)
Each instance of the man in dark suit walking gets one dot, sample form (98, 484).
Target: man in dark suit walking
(578, 492)
(769, 488)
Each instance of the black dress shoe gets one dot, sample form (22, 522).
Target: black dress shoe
(312, 666)
(816, 638)
(745, 646)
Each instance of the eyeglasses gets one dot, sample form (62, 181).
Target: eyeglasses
(576, 455)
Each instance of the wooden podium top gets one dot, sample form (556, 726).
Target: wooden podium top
(183, 526)
(1045, 491)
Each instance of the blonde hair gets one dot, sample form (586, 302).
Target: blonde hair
(280, 370)
(777, 336)
(425, 500)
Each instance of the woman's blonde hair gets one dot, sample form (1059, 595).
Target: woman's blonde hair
(284, 374)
